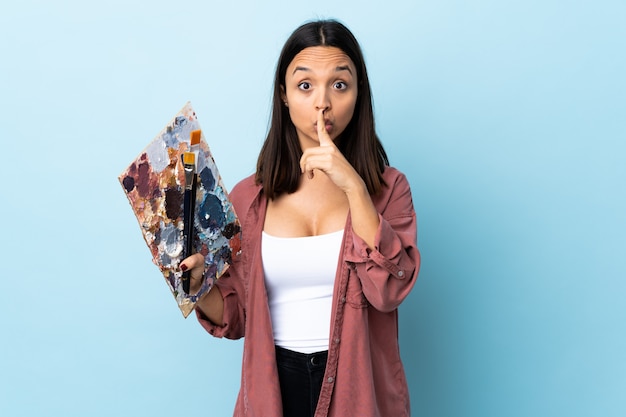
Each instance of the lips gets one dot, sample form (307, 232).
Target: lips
(328, 126)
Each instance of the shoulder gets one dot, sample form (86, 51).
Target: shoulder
(245, 186)
(244, 193)
(396, 181)
(391, 175)
(396, 191)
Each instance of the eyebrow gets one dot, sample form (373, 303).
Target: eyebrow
(337, 69)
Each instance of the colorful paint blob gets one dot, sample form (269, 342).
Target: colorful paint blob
(154, 184)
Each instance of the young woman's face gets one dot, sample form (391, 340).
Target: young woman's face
(320, 77)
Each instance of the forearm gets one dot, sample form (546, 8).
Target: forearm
(388, 273)
(211, 305)
(363, 214)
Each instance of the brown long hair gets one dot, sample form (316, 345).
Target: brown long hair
(278, 165)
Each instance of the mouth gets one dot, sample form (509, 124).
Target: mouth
(327, 124)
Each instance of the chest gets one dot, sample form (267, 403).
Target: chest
(308, 212)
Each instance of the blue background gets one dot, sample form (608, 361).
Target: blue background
(508, 118)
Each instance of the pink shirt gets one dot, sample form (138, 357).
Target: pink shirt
(364, 374)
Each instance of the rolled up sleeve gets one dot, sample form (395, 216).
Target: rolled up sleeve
(389, 271)
(233, 327)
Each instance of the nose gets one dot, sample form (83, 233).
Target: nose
(322, 100)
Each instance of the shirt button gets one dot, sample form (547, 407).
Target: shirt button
(343, 299)
(330, 380)
(337, 341)
(400, 273)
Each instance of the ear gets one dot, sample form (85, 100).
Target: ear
(283, 95)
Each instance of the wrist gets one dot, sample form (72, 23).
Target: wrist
(357, 190)
(355, 186)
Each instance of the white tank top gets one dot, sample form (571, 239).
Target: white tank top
(300, 277)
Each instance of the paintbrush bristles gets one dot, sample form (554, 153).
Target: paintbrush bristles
(195, 137)
(189, 158)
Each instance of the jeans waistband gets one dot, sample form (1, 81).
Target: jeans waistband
(304, 360)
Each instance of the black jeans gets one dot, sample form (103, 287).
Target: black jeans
(300, 376)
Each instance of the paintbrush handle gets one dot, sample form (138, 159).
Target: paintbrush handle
(189, 204)
(187, 226)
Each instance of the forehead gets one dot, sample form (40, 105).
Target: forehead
(320, 57)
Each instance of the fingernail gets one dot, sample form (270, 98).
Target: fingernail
(183, 267)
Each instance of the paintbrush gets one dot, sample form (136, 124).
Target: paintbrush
(189, 165)
(194, 140)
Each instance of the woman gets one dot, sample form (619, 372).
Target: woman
(328, 246)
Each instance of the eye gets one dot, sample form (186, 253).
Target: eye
(340, 85)
(304, 86)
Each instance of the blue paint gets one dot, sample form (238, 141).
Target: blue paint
(211, 213)
(207, 179)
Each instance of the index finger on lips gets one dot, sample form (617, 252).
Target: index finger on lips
(322, 134)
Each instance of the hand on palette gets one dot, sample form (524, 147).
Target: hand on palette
(329, 159)
(194, 264)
